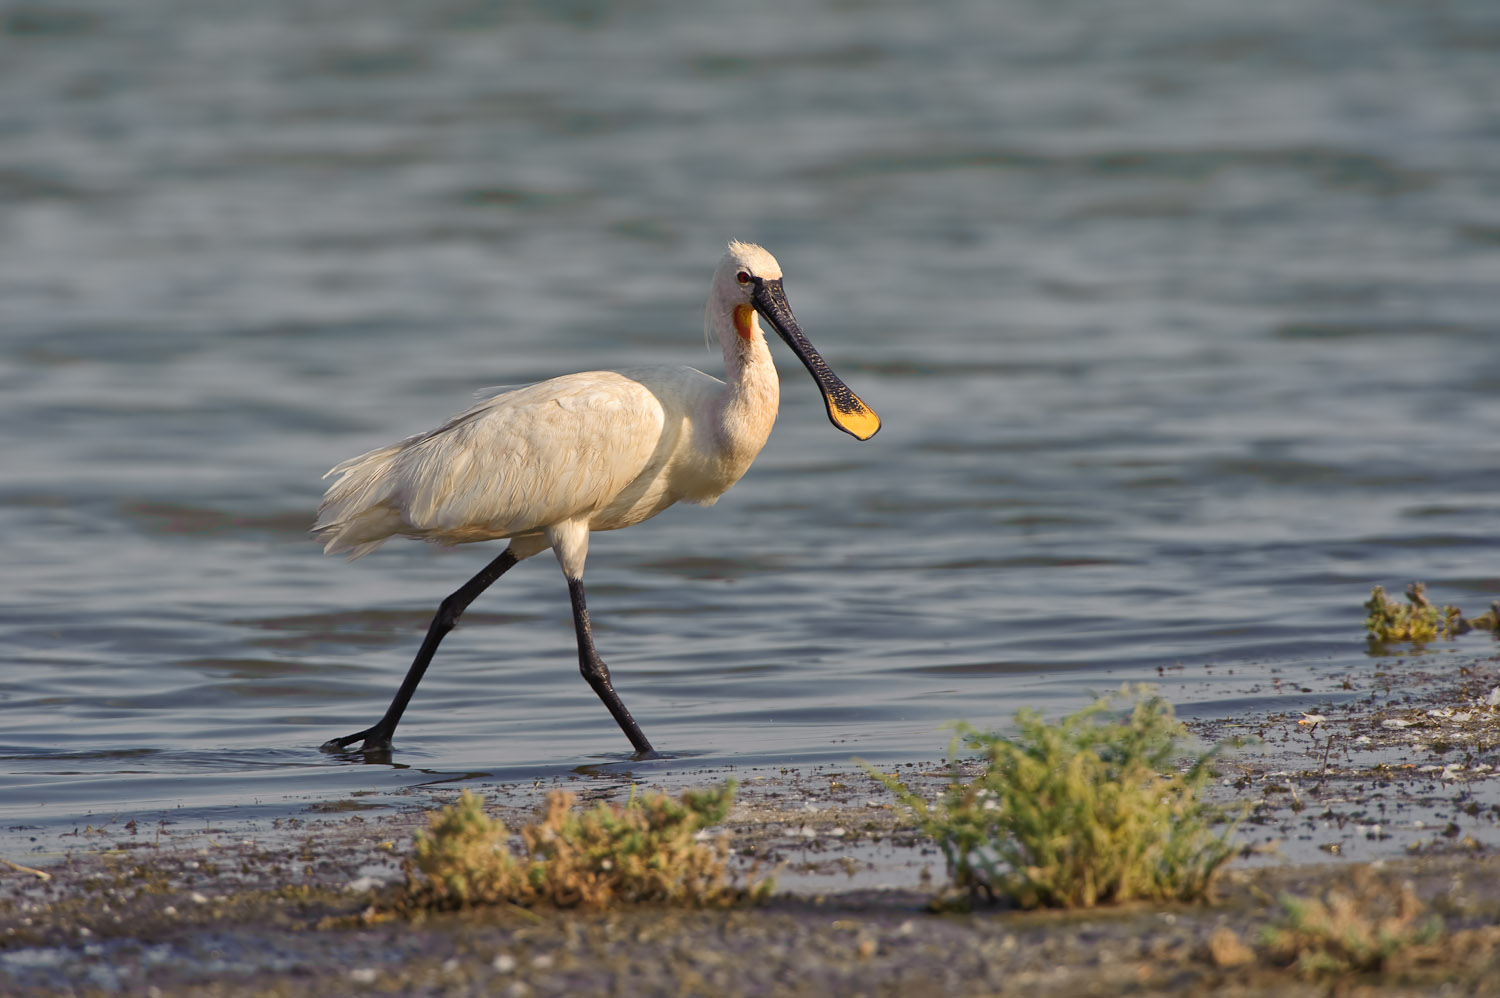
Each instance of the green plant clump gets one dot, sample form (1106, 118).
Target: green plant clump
(1417, 620)
(1078, 813)
(647, 850)
(1346, 933)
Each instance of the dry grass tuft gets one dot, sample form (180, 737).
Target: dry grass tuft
(1079, 813)
(650, 849)
(1226, 950)
(1343, 932)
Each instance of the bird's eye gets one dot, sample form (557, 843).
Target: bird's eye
(743, 277)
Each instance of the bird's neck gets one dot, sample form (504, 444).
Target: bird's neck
(746, 408)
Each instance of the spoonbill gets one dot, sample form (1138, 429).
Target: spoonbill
(548, 464)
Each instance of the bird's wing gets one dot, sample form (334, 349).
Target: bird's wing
(525, 459)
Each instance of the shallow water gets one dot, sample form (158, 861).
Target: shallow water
(1182, 320)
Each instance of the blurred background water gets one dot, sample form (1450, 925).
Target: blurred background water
(1183, 317)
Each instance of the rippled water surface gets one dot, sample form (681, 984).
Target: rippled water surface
(1183, 319)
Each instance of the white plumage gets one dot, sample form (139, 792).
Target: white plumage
(612, 447)
(547, 464)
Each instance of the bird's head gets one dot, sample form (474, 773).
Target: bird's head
(748, 281)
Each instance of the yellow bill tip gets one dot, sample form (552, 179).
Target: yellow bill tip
(851, 415)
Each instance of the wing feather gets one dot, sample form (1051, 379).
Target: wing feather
(509, 465)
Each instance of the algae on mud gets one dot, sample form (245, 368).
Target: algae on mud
(1417, 621)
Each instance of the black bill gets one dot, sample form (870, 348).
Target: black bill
(845, 409)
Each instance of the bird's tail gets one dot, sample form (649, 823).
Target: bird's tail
(358, 513)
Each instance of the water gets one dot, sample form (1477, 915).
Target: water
(1181, 316)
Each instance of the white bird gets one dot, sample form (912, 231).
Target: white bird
(547, 464)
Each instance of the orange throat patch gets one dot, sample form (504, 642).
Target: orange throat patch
(744, 321)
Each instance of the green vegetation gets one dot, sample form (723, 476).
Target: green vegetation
(1345, 932)
(1417, 620)
(1078, 813)
(649, 849)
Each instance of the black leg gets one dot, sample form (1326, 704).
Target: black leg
(597, 673)
(377, 737)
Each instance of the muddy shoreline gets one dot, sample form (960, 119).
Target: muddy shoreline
(1400, 783)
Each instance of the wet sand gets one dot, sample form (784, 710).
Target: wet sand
(1397, 785)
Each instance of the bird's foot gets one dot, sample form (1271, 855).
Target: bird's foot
(374, 741)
